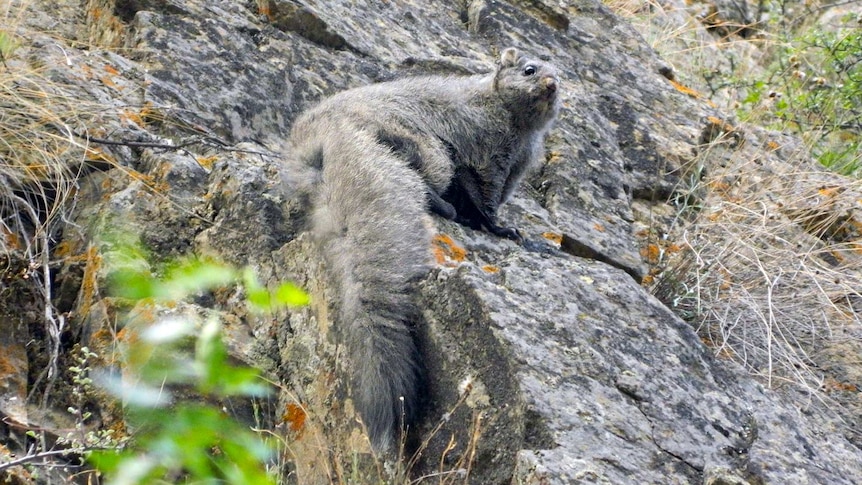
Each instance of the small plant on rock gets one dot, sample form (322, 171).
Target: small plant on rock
(178, 439)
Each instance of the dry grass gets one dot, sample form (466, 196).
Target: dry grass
(764, 258)
(41, 161)
(769, 272)
(704, 52)
(318, 448)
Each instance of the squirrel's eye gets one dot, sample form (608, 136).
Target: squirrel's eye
(529, 70)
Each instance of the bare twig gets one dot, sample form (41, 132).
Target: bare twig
(36, 456)
(196, 140)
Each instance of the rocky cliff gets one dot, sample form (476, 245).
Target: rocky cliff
(576, 373)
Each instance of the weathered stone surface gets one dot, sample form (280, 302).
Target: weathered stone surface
(611, 386)
(237, 89)
(16, 313)
(575, 374)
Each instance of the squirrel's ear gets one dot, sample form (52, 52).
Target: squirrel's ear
(509, 57)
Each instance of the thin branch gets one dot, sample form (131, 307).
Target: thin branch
(197, 140)
(35, 456)
(143, 144)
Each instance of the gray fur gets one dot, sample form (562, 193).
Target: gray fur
(383, 154)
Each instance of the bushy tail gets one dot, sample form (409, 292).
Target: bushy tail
(368, 218)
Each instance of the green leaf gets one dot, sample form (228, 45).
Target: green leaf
(106, 460)
(135, 470)
(259, 299)
(753, 97)
(262, 300)
(194, 276)
(195, 441)
(210, 351)
(167, 331)
(131, 283)
(133, 394)
(7, 44)
(290, 294)
(241, 381)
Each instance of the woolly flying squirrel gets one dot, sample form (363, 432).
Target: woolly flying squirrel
(380, 157)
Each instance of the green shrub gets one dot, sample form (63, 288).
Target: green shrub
(189, 441)
(814, 88)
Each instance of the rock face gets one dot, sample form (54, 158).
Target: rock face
(576, 374)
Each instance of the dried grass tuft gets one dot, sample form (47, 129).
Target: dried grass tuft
(41, 161)
(771, 271)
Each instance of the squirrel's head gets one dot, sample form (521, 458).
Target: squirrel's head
(528, 84)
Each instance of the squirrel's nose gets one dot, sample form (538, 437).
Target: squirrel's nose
(550, 83)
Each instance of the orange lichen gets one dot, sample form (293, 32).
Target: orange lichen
(689, 91)
(149, 181)
(684, 89)
(648, 279)
(599, 227)
(103, 335)
(207, 162)
(95, 154)
(132, 116)
(772, 145)
(264, 7)
(111, 70)
(490, 269)
(109, 82)
(651, 253)
(829, 191)
(553, 237)
(128, 335)
(64, 248)
(89, 284)
(12, 240)
(446, 252)
(88, 72)
(720, 124)
(832, 385)
(8, 369)
(295, 417)
(553, 157)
